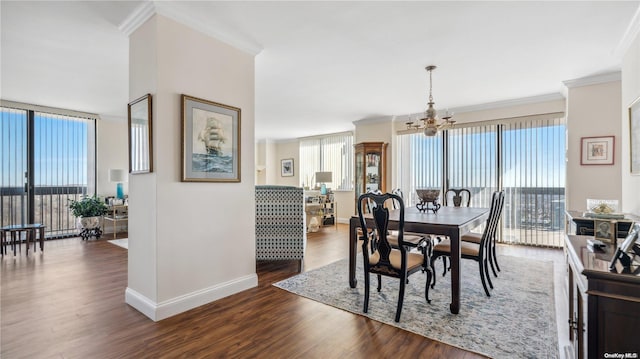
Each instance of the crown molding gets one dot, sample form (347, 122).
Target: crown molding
(629, 35)
(509, 103)
(594, 80)
(137, 17)
(175, 11)
(366, 121)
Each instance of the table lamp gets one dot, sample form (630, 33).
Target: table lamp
(323, 178)
(118, 176)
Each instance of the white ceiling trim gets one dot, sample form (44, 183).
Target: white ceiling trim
(137, 17)
(509, 103)
(594, 80)
(173, 11)
(629, 35)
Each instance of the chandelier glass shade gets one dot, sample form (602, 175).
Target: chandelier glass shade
(429, 124)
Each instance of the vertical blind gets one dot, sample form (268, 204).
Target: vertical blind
(331, 153)
(420, 164)
(534, 181)
(139, 133)
(13, 165)
(523, 156)
(472, 162)
(63, 166)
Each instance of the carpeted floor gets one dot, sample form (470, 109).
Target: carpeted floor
(122, 242)
(517, 321)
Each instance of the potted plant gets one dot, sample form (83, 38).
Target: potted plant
(88, 212)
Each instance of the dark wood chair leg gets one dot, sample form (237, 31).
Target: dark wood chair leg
(484, 282)
(366, 292)
(379, 282)
(491, 260)
(426, 287)
(400, 299)
(486, 272)
(495, 258)
(433, 271)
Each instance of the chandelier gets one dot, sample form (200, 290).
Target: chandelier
(430, 123)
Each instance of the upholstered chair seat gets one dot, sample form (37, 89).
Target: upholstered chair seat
(466, 248)
(472, 237)
(414, 260)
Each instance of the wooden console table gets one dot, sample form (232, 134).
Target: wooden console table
(15, 231)
(604, 305)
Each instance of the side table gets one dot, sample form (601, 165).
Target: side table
(15, 231)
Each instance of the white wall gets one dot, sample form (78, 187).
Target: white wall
(592, 111)
(630, 92)
(112, 151)
(189, 243)
(284, 150)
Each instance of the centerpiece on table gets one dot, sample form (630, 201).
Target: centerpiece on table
(428, 199)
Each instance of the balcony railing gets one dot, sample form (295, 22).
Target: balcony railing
(51, 208)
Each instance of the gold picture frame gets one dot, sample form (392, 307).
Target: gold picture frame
(597, 150)
(605, 230)
(210, 141)
(140, 135)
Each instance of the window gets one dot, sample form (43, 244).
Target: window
(523, 156)
(331, 153)
(54, 157)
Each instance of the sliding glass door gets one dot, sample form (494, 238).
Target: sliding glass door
(522, 156)
(472, 162)
(47, 160)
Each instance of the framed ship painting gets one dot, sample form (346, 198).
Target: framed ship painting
(210, 141)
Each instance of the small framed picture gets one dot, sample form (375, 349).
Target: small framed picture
(597, 150)
(605, 231)
(286, 169)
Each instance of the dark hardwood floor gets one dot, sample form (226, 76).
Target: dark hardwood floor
(69, 303)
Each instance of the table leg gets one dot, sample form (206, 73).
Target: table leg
(27, 237)
(455, 272)
(2, 242)
(41, 239)
(14, 242)
(353, 251)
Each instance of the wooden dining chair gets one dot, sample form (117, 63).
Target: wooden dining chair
(380, 257)
(457, 197)
(475, 251)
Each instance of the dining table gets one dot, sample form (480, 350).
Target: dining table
(452, 222)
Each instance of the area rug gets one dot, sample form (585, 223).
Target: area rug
(122, 242)
(517, 321)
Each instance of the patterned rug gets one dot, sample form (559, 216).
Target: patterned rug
(122, 242)
(517, 321)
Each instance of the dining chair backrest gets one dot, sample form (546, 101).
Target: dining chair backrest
(370, 203)
(397, 192)
(497, 203)
(457, 197)
(380, 226)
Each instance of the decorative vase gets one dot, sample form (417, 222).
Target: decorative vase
(88, 222)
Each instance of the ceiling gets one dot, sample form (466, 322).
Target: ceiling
(322, 65)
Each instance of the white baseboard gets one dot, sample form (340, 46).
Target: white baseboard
(171, 307)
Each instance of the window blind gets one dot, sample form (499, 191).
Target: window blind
(331, 153)
(524, 156)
